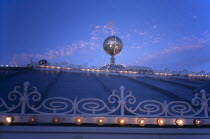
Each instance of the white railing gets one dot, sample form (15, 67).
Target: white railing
(121, 103)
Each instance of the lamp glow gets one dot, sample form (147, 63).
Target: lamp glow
(141, 122)
(8, 120)
(121, 121)
(197, 122)
(100, 121)
(56, 119)
(33, 120)
(78, 121)
(160, 122)
(179, 122)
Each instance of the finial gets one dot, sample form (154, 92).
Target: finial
(111, 26)
(122, 88)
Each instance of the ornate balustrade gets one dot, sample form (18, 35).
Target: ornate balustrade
(119, 103)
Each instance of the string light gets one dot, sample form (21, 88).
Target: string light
(33, 120)
(141, 121)
(7, 120)
(98, 70)
(197, 122)
(100, 121)
(56, 119)
(179, 122)
(160, 122)
(78, 120)
(121, 121)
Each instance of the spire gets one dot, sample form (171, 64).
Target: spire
(111, 26)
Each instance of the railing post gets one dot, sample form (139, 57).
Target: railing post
(24, 97)
(75, 106)
(122, 101)
(204, 102)
(165, 108)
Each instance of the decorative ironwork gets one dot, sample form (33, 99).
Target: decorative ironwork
(119, 103)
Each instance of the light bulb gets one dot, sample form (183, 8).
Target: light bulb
(160, 122)
(180, 122)
(33, 120)
(56, 119)
(121, 121)
(78, 120)
(197, 122)
(100, 121)
(8, 120)
(141, 122)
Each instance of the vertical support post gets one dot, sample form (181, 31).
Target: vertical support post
(165, 108)
(112, 60)
(75, 107)
(204, 102)
(122, 101)
(24, 97)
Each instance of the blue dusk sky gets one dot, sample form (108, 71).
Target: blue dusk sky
(161, 34)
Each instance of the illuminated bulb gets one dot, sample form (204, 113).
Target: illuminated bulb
(141, 122)
(78, 121)
(8, 120)
(56, 119)
(33, 120)
(121, 121)
(179, 122)
(197, 122)
(160, 122)
(100, 121)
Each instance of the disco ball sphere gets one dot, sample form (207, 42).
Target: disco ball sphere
(113, 45)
